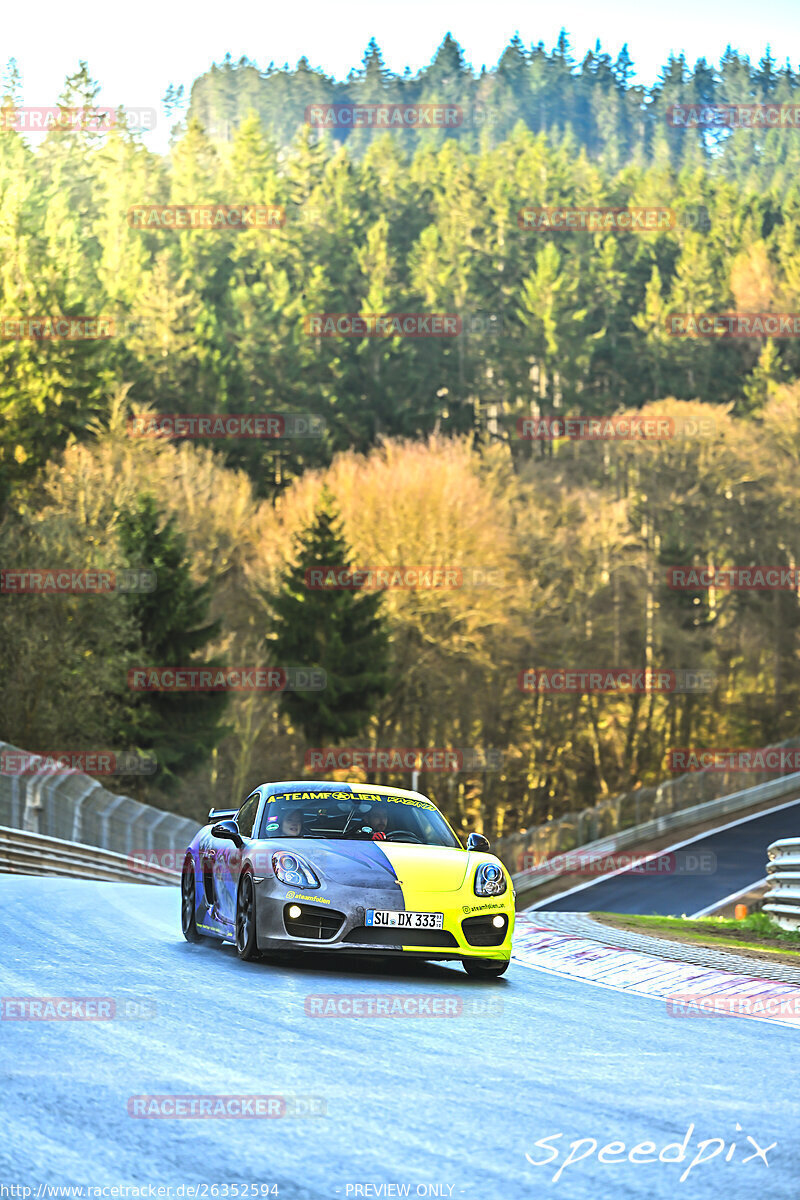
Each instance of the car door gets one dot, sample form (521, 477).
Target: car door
(210, 850)
(227, 862)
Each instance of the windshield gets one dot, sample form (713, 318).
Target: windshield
(355, 816)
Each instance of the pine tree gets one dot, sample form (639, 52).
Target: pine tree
(339, 631)
(182, 728)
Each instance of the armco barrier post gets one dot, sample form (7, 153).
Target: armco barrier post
(782, 900)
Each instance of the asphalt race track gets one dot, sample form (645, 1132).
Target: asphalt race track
(434, 1106)
(740, 860)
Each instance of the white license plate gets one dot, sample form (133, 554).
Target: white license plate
(404, 920)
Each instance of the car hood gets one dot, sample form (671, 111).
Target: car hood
(379, 864)
(427, 868)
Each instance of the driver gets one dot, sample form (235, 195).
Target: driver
(292, 823)
(379, 819)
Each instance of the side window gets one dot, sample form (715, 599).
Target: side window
(246, 815)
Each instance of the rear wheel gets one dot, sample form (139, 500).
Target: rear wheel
(484, 968)
(189, 904)
(246, 946)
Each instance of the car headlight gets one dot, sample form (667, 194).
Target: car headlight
(291, 869)
(489, 880)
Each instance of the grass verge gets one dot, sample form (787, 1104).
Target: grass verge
(757, 936)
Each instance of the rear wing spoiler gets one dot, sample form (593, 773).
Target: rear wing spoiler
(221, 814)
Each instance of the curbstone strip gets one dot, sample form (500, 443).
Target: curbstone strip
(540, 946)
(584, 926)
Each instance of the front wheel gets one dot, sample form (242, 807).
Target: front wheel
(189, 904)
(484, 968)
(246, 947)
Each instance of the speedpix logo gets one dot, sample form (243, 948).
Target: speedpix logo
(616, 1152)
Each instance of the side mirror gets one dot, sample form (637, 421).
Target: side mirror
(476, 841)
(229, 831)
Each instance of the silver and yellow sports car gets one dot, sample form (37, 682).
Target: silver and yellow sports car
(308, 866)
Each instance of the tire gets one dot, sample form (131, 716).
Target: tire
(189, 904)
(246, 947)
(484, 968)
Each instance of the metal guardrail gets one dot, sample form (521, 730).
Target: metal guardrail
(525, 881)
(612, 816)
(782, 900)
(73, 812)
(72, 807)
(26, 853)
